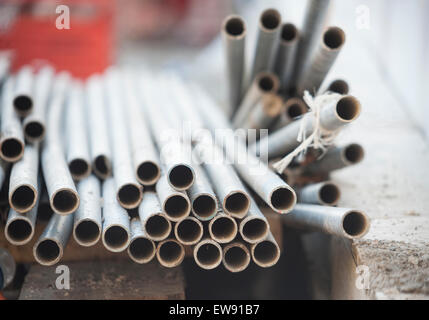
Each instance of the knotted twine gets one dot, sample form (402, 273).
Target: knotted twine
(320, 138)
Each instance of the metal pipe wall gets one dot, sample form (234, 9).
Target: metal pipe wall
(23, 92)
(322, 193)
(141, 248)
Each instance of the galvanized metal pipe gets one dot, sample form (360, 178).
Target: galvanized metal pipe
(274, 191)
(63, 196)
(314, 22)
(188, 231)
(265, 253)
(154, 221)
(145, 156)
(128, 191)
(254, 227)
(322, 193)
(234, 38)
(293, 109)
(19, 228)
(23, 92)
(269, 27)
(207, 254)
(170, 253)
(23, 183)
(77, 150)
(222, 228)
(333, 116)
(35, 123)
(264, 82)
(286, 54)
(87, 218)
(116, 223)
(324, 58)
(236, 256)
(97, 122)
(343, 222)
(44, 212)
(339, 86)
(12, 138)
(174, 203)
(336, 158)
(49, 248)
(264, 113)
(141, 249)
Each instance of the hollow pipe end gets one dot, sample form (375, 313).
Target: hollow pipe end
(282, 199)
(22, 235)
(254, 229)
(11, 149)
(48, 251)
(208, 254)
(64, 201)
(355, 224)
(23, 198)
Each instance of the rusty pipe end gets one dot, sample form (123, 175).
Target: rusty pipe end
(170, 253)
(141, 250)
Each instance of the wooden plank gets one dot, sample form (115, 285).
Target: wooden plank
(105, 280)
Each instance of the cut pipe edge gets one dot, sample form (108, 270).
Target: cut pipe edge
(348, 109)
(294, 108)
(79, 168)
(116, 238)
(170, 253)
(34, 130)
(176, 207)
(23, 104)
(339, 86)
(289, 33)
(208, 254)
(355, 224)
(204, 206)
(352, 153)
(265, 253)
(234, 27)
(48, 251)
(141, 250)
(148, 173)
(181, 177)
(86, 232)
(254, 229)
(188, 231)
(267, 82)
(223, 228)
(102, 167)
(129, 195)
(23, 198)
(236, 257)
(19, 230)
(334, 38)
(11, 149)
(329, 194)
(64, 201)
(282, 199)
(157, 226)
(270, 20)
(236, 204)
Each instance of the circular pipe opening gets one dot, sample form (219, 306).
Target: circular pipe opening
(329, 194)
(141, 250)
(289, 32)
(208, 255)
(348, 108)
(65, 201)
(294, 111)
(270, 19)
(339, 86)
(236, 258)
(254, 230)
(283, 199)
(23, 104)
(48, 252)
(266, 254)
(354, 153)
(157, 227)
(19, 231)
(129, 196)
(34, 130)
(355, 224)
(266, 83)
(237, 204)
(79, 168)
(116, 238)
(204, 206)
(234, 26)
(12, 149)
(334, 38)
(181, 177)
(189, 231)
(102, 167)
(87, 232)
(170, 253)
(223, 229)
(23, 198)
(176, 207)
(148, 173)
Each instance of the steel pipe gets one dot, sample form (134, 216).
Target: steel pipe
(324, 58)
(116, 223)
(207, 254)
(234, 38)
(222, 228)
(336, 158)
(269, 27)
(87, 218)
(286, 54)
(236, 256)
(254, 227)
(154, 221)
(333, 116)
(188, 231)
(322, 193)
(12, 138)
(170, 253)
(314, 22)
(265, 253)
(264, 82)
(342, 222)
(175, 204)
(274, 191)
(49, 248)
(264, 113)
(63, 196)
(101, 156)
(19, 228)
(141, 249)
(23, 183)
(77, 150)
(128, 191)
(35, 123)
(23, 93)
(339, 86)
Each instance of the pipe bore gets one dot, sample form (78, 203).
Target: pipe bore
(181, 177)
(148, 173)
(48, 252)
(339, 86)
(237, 204)
(170, 253)
(270, 19)
(223, 228)
(348, 108)
(102, 167)
(188, 231)
(141, 250)
(116, 238)
(129, 196)
(23, 198)
(12, 149)
(289, 32)
(79, 168)
(22, 104)
(208, 254)
(266, 83)
(19, 231)
(234, 26)
(283, 199)
(254, 229)
(176, 207)
(265, 253)
(329, 194)
(65, 201)
(334, 38)
(236, 257)
(204, 206)
(34, 130)
(87, 233)
(353, 153)
(157, 227)
(355, 224)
